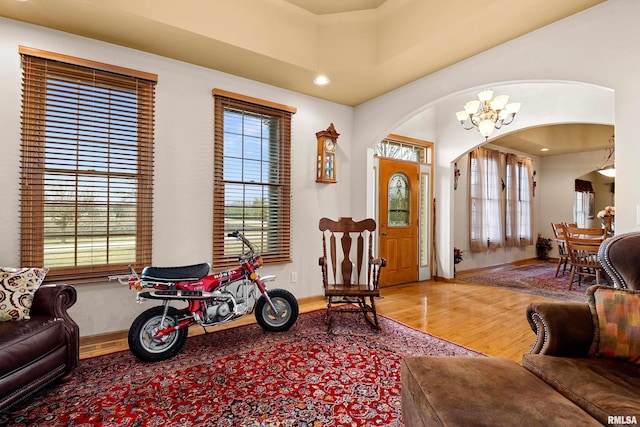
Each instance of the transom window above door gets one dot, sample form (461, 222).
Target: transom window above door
(404, 150)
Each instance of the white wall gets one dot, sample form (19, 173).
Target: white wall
(557, 179)
(183, 193)
(590, 57)
(582, 69)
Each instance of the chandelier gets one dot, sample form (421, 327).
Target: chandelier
(607, 169)
(488, 113)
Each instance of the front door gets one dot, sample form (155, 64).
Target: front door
(398, 219)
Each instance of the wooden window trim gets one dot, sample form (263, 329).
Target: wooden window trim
(72, 60)
(239, 97)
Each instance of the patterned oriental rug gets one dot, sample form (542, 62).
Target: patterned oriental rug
(537, 279)
(246, 377)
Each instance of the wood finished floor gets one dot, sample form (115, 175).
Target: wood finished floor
(484, 318)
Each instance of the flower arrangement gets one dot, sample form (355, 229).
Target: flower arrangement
(543, 243)
(457, 255)
(543, 246)
(607, 212)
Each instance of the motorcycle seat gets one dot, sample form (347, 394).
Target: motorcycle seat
(176, 274)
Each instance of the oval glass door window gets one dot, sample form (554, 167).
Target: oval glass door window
(399, 196)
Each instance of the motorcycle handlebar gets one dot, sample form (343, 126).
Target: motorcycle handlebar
(238, 235)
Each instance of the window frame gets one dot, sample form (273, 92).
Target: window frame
(41, 69)
(278, 238)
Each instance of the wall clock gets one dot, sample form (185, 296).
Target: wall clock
(326, 155)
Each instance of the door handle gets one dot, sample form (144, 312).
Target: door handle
(384, 233)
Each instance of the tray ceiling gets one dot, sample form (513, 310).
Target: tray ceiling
(366, 47)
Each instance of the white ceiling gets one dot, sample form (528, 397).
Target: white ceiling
(559, 139)
(366, 47)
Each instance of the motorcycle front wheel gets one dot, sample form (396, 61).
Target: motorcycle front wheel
(142, 341)
(286, 316)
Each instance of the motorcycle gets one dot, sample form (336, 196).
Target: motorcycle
(160, 332)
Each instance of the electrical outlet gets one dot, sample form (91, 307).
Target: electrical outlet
(294, 277)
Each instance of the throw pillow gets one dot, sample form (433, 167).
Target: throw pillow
(17, 288)
(616, 322)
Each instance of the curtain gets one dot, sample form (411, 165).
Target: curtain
(511, 204)
(525, 223)
(486, 225)
(519, 191)
(476, 201)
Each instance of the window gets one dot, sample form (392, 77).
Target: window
(486, 224)
(87, 166)
(252, 175)
(580, 208)
(518, 201)
(583, 202)
(404, 149)
(501, 209)
(399, 204)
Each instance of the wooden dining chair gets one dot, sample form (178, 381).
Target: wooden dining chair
(350, 276)
(583, 254)
(585, 233)
(563, 255)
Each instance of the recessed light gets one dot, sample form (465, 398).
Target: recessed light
(544, 149)
(322, 80)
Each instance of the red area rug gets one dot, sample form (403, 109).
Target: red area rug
(536, 279)
(246, 377)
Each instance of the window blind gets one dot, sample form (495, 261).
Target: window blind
(87, 168)
(252, 178)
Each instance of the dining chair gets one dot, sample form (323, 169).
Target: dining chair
(583, 255)
(585, 232)
(563, 255)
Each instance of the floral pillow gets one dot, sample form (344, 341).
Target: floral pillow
(616, 321)
(17, 288)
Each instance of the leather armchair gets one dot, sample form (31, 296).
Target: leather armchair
(566, 328)
(562, 329)
(602, 386)
(38, 351)
(620, 258)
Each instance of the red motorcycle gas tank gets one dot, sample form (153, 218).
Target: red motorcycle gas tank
(212, 281)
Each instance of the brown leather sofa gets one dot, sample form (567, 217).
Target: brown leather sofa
(558, 383)
(38, 351)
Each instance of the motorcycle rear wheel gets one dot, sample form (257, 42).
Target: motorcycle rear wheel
(145, 346)
(287, 315)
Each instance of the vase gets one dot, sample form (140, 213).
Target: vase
(608, 224)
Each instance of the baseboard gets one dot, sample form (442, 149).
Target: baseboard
(444, 279)
(102, 338)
